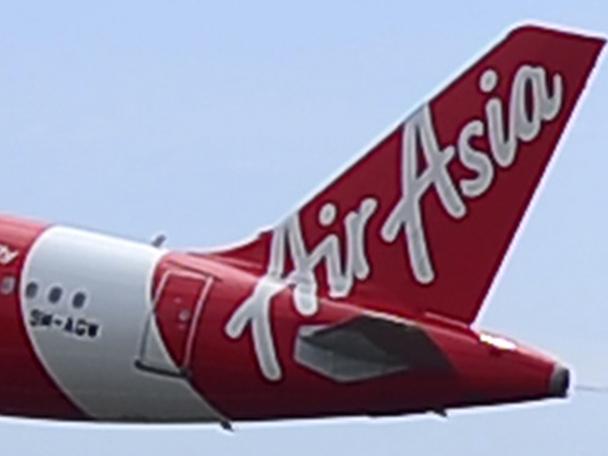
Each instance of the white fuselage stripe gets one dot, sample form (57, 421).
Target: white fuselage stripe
(90, 350)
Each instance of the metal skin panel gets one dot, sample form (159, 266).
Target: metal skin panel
(90, 350)
(413, 234)
(223, 369)
(26, 389)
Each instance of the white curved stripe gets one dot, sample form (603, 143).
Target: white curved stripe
(98, 372)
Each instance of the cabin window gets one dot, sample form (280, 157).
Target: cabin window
(79, 300)
(31, 290)
(8, 285)
(55, 294)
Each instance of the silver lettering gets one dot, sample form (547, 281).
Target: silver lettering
(255, 310)
(531, 104)
(523, 125)
(407, 216)
(474, 160)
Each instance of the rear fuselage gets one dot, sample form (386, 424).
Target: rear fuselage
(99, 328)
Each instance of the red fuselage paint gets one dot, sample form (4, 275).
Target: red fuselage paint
(25, 388)
(191, 313)
(222, 370)
(359, 303)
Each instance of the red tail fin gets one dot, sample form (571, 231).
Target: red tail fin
(423, 221)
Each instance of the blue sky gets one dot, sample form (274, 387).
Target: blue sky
(210, 120)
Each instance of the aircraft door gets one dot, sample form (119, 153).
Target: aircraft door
(178, 302)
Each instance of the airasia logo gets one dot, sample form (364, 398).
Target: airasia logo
(523, 125)
(530, 106)
(287, 237)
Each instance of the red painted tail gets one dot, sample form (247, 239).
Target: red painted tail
(422, 222)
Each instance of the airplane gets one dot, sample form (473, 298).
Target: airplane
(362, 302)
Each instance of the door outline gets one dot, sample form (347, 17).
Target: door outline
(183, 371)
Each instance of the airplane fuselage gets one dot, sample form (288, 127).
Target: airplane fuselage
(97, 327)
(360, 302)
